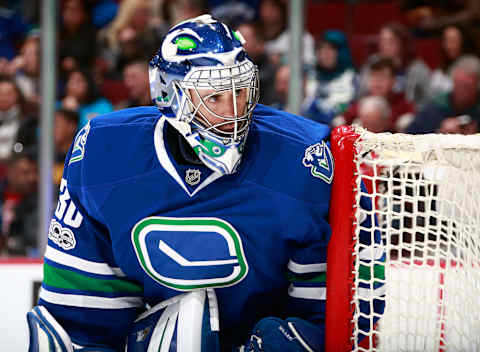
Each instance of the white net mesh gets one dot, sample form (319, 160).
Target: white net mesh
(426, 191)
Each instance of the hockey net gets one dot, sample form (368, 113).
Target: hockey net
(425, 192)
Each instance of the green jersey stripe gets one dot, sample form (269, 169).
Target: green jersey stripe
(365, 274)
(318, 278)
(83, 301)
(70, 280)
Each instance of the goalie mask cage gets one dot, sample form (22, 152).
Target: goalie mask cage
(425, 191)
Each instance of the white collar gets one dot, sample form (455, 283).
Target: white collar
(167, 164)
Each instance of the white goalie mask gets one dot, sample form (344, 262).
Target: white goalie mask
(207, 87)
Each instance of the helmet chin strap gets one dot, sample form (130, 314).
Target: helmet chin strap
(217, 156)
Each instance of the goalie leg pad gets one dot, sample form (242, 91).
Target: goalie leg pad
(185, 323)
(46, 334)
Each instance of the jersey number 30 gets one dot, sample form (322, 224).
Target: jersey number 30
(189, 253)
(66, 209)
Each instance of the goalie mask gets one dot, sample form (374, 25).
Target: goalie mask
(206, 86)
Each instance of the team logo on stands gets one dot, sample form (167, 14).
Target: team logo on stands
(79, 145)
(192, 176)
(61, 236)
(319, 159)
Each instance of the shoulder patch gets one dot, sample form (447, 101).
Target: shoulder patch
(78, 151)
(61, 236)
(319, 159)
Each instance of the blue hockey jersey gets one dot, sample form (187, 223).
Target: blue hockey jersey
(135, 227)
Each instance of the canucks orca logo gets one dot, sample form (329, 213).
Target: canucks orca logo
(189, 253)
(210, 148)
(78, 151)
(319, 159)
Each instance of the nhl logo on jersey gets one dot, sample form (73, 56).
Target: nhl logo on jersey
(192, 176)
(319, 159)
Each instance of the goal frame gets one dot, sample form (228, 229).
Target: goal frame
(340, 258)
(352, 146)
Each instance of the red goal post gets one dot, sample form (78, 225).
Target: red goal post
(426, 190)
(338, 325)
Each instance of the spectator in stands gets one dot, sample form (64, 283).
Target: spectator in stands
(255, 48)
(103, 12)
(233, 12)
(456, 41)
(18, 205)
(76, 48)
(457, 111)
(65, 128)
(135, 77)
(282, 83)
(427, 17)
(176, 11)
(380, 81)
(129, 37)
(12, 31)
(11, 117)
(26, 71)
(273, 17)
(29, 10)
(374, 114)
(334, 78)
(411, 74)
(81, 95)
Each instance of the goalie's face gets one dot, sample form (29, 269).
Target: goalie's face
(223, 112)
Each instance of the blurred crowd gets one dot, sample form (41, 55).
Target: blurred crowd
(396, 66)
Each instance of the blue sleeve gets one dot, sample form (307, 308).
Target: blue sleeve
(307, 267)
(307, 271)
(83, 288)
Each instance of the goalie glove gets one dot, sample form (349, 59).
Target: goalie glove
(184, 323)
(290, 335)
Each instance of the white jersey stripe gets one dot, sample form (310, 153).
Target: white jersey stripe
(321, 292)
(366, 293)
(81, 264)
(81, 301)
(308, 292)
(366, 254)
(306, 268)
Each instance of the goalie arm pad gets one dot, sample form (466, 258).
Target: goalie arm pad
(46, 334)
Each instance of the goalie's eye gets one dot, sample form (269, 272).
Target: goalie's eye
(213, 98)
